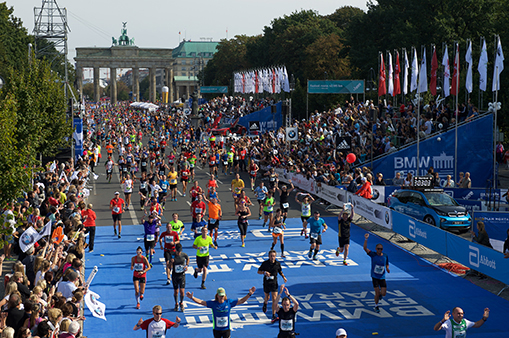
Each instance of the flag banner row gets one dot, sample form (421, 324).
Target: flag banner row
(272, 80)
(389, 81)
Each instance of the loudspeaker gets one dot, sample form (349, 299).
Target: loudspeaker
(273, 109)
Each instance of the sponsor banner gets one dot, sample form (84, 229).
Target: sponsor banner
(378, 192)
(254, 126)
(299, 181)
(97, 308)
(496, 224)
(471, 205)
(214, 89)
(28, 239)
(478, 257)
(439, 153)
(375, 213)
(292, 134)
(78, 137)
(420, 232)
(335, 86)
(268, 121)
(343, 143)
(472, 194)
(333, 195)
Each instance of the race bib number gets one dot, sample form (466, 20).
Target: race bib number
(116, 210)
(278, 230)
(270, 208)
(204, 250)
(143, 164)
(212, 220)
(191, 165)
(173, 181)
(286, 205)
(168, 239)
(286, 325)
(314, 235)
(164, 186)
(138, 267)
(198, 229)
(253, 173)
(212, 162)
(269, 277)
(151, 237)
(180, 268)
(158, 334)
(108, 171)
(379, 269)
(124, 169)
(222, 321)
(225, 162)
(198, 210)
(143, 185)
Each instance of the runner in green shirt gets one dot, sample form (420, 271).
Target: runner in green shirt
(176, 224)
(268, 208)
(201, 244)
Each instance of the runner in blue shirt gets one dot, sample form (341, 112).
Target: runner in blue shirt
(261, 192)
(221, 308)
(196, 226)
(315, 230)
(164, 184)
(379, 265)
(151, 227)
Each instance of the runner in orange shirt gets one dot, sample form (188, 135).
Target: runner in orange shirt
(215, 214)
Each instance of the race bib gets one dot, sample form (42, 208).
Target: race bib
(108, 171)
(143, 164)
(138, 267)
(124, 169)
(212, 220)
(164, 186)
(314, 235)
(198, 229)
(225, 162)
(212, 162)
(286, 205)
(270, 208)
(198, 210)
(204, 250)
(269, 277)
(191, 165)
(221, 321)
(278, 230)
(158, 334)
(116, 210)
(143, 185)
(168, 239)
(151, 237)
(253, 172)
(379, 269)
(286, 325)
(173, 181)
(180, 268)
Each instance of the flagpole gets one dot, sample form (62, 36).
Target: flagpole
(479, 90)
(495, 132)
(457, 113)
(402, 89)
(418, 117)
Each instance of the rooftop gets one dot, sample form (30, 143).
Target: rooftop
(189, 49)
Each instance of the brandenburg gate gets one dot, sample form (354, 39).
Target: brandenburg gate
(124, 54)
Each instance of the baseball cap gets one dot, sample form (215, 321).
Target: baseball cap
(340, 332)
(117, 193)
(221, 292)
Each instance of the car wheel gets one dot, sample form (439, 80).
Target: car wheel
(430, 220)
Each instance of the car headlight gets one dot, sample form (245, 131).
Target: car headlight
(442, 220)
(441, 213)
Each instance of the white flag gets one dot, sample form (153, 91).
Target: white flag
(415, 70)
(405, 74)
(423, 75)
(468, 59)
(447, 73)
(97, 308)
(499, 66)
(286, 82)
(28, 239)
(482, 67)
(53, 167)
(46, 231)
(391, 80)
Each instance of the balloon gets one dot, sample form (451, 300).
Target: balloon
(350, 158)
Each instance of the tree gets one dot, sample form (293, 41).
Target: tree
(14, 41)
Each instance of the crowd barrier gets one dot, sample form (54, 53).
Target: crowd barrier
(496, 224)
(470, 254)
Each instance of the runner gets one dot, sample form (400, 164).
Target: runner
(109, 168)
(198, 207)
(163, 195)
(243, 212)
(173, 178)
(236, 186)
(184, 178)
(128, 190)
(286, 314)
(201, 244)
(117, 208)
(176, 224)
(230, 154)
(140, 265)
(278, 226)
(273, 179)
(284, 192)
(270, 269)
(379, 265)
(215, 215)
(195, 191)
(253, 171)
(150, 227)
(261, 192)
(180, 262)
(143, 189)
(268, 208)
(170, 239)
(456, 325)
(305, 214)
(212, 163)
(315, 230)
(156, 327)
(197, 225)
(344, 224)
(221, 308)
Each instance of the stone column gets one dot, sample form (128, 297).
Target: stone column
(136, 84)
(97, 88)
(113, 85)
(170, 85)
(187, 92)
(152, 84)
(79, 80)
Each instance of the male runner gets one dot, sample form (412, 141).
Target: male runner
(270, 269)
(379, 264)
(201, 244)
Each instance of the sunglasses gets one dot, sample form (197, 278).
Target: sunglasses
(380, 249)
(158, 313)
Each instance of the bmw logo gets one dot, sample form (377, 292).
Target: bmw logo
(376, 194)
(291, 134)
(387, 217)
(27, 239)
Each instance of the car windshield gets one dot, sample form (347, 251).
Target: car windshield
(440, 199)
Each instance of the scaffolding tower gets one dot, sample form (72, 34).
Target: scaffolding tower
(50, 33)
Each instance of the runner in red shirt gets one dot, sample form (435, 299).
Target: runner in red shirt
(195, 191)
(156, 327)
(170, 238)
(198, 207)
(140, 266)
(212, 163)
(253, 171)
(184, 178)
(117, 208)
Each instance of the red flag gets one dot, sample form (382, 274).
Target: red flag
(382, 90)
(455, 75)
(434, 67)
(397, 85)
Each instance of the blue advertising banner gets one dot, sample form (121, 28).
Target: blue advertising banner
(496, 224)
(478, 257)
(267, 120)
(78, 137)
(336, 86)
(470, 205)
(214, 89)
(420, 232)
(475, 155)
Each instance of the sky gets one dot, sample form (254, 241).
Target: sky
(157, 24)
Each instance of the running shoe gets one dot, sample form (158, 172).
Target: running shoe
(141, 296)
(264, 307)
(141, 208)
(337, 252)
(380, 298)
(90, 251)
(302, 232)
(314, 257)
(283, 256)
(119, 235)
(182, 308)
(126, 209)
(260, 217)
(274, 319)
(195, 274)
(243, 245)
(202, 286)
(176, 308)
(377, 309)
(263, 225)
(138, 306)
(345, 263)
(310, 253)
(184, 195)
(168, 281)
(306, 237)
(115, 231)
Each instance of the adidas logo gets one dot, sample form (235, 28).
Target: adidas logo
(254, 126)
(343, 145)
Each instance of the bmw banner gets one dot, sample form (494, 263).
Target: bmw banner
(292, 134)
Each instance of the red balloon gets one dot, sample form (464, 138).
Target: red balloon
(350, 158)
